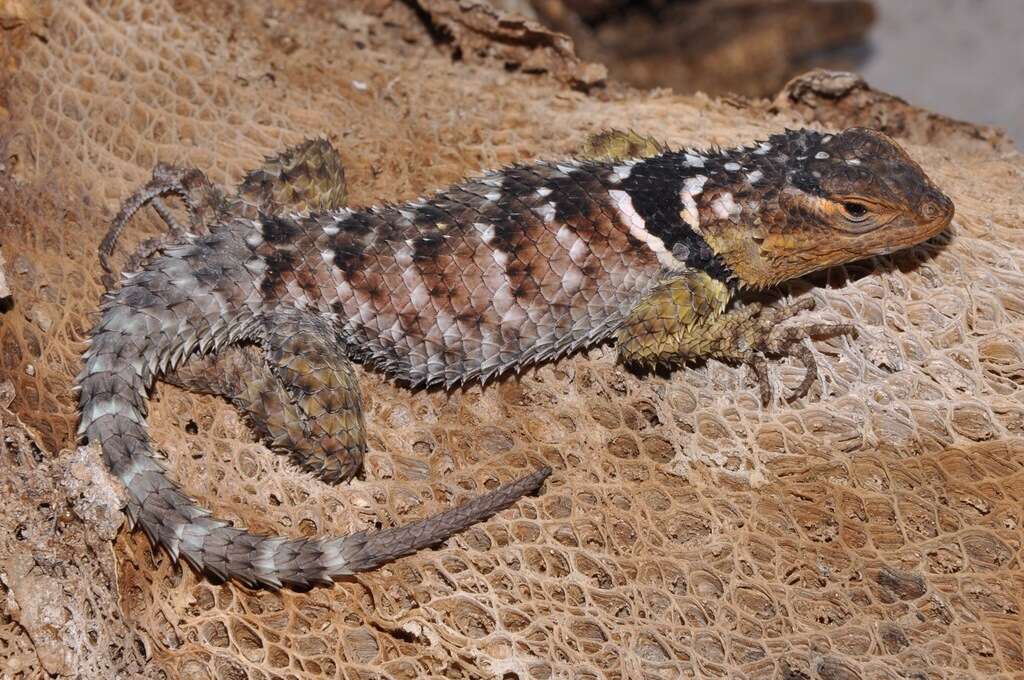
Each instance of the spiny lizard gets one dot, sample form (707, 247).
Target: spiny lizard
(526, 264)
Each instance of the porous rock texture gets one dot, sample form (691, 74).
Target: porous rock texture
(873, 530)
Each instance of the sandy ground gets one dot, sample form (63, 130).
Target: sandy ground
(964, 58)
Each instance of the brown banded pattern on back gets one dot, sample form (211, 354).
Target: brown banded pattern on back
(489, 275)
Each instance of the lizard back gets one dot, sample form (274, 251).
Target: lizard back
(492, 274)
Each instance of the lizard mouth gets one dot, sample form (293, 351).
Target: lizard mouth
(939, 217)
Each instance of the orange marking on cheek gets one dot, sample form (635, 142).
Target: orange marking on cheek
(828, 209)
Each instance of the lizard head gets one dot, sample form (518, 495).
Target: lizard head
(825, 200)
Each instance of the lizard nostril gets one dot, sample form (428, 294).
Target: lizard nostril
(937, 205)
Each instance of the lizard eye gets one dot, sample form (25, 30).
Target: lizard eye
(855, 211)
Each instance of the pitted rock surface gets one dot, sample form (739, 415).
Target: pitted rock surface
(871, 531)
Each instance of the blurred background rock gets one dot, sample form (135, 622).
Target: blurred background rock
(962, 58)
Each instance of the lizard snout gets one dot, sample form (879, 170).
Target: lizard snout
(937, 208)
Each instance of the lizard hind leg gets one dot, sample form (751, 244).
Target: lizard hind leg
(309, 176)
(300, 394)
(305, 354)
(309, 427)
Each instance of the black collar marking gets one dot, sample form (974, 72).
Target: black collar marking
(654, 185)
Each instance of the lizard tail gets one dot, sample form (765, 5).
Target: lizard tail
(202, 296)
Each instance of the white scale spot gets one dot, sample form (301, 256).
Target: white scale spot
(492, 196)
(493, 181)
(578, 252)
(572, 280)
(504, 302)
(327, 256)
(407, 214)
(331, 228)
(566, 168)
(543, 192)
(403, 258)
(694, 161)
(621, 172)
(695, 185)
(690, 214)
(565, 237)
(692, 187)
(254, 239)
(826, 139)
(821, 155)
(256, 265)
(725, 206)
(547, 212)
(419, 297)
(486, 231)
(853, 161)
(755, 177)
(638, 229)
(732, 167)
(764, 148)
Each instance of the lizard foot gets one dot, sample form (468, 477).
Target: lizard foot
(191, 184)
(778, 340)
(312, 414)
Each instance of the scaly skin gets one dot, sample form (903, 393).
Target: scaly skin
(515, 267)
(314, 416)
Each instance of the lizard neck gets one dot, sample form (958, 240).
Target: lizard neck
(667, 197)
(713, 211)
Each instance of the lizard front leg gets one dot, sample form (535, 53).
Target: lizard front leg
(683, 319)
(618, 145)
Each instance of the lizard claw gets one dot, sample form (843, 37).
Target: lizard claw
(781, 341)
(166, 179)
(788, 341)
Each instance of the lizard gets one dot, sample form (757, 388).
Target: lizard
(491, 275)
(308, 176)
